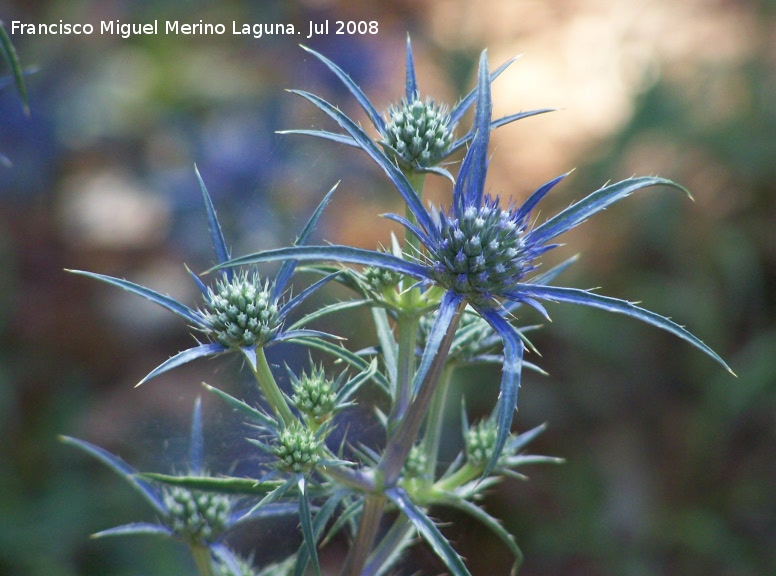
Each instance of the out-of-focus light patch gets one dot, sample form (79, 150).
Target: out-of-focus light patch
(112, 99)
(591, 59)
(111, 210)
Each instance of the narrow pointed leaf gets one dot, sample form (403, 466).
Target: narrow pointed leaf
(428, 530)
(122, 469)
(447, 309)
(488, 521)
(586, 298)
(339, 138)
(471, 178)
(197, 440)
(183, 357)
(330, 309)
(10, 57)
(595, 202)
(273, 496)
(216, 235)
(389, 348)
(225, 485)
(531, 202)
(510, 382)
(246, 410)
(411, 83)
(460, 109)
(226, 557)
(319, 523)
(287, 268)
(136, 529)
(306, 520)
(395, 175)
(299, 298)
(165, 301)
(357, 93)
(332, 253)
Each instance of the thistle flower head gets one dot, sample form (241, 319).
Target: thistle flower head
(241, 311)
(197, 517)
(315, 395)
(297, 449)
(481, 253)
(418, 133)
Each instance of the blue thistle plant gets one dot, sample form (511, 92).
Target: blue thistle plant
(482, 253)
(242, 313)
(198, 518)
(417, 134)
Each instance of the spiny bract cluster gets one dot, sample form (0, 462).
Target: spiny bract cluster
(241, 312)
(314, 395)
(482, 253)
(197, 516)
(297, 449)
(419, 132)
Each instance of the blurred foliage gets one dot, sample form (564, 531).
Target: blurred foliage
(670, 462)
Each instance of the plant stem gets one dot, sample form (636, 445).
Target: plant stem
(202, 559)
(465, 474)
(407, 327)
(270, 388)
(374, 504)
(435, 421)
(401, 441)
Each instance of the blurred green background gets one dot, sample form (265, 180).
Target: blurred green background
(671, 462)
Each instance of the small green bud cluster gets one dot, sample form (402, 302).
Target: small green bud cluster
(196, 516)
(420, 132)
(480, 441)
(241, 312)
(415, 465)
(379, 279)
(297, 449)
(314, 396)
(481, 254)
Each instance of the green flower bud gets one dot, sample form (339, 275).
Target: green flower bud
(419, 132)
(415, 465)
(297, 449)
(480, 442)
(379, 280)
(197, 517)
(314, 396)
(241, 312)
(482, 253)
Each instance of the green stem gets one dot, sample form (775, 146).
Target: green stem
(203, 560)
(464, 474)
(270, 389)
(435, 421)
(374, 504)
(407, 327)
(401, 441)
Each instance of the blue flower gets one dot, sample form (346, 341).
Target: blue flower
(242, 312)
(200, 519)
(483, 253)
(417, 134)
